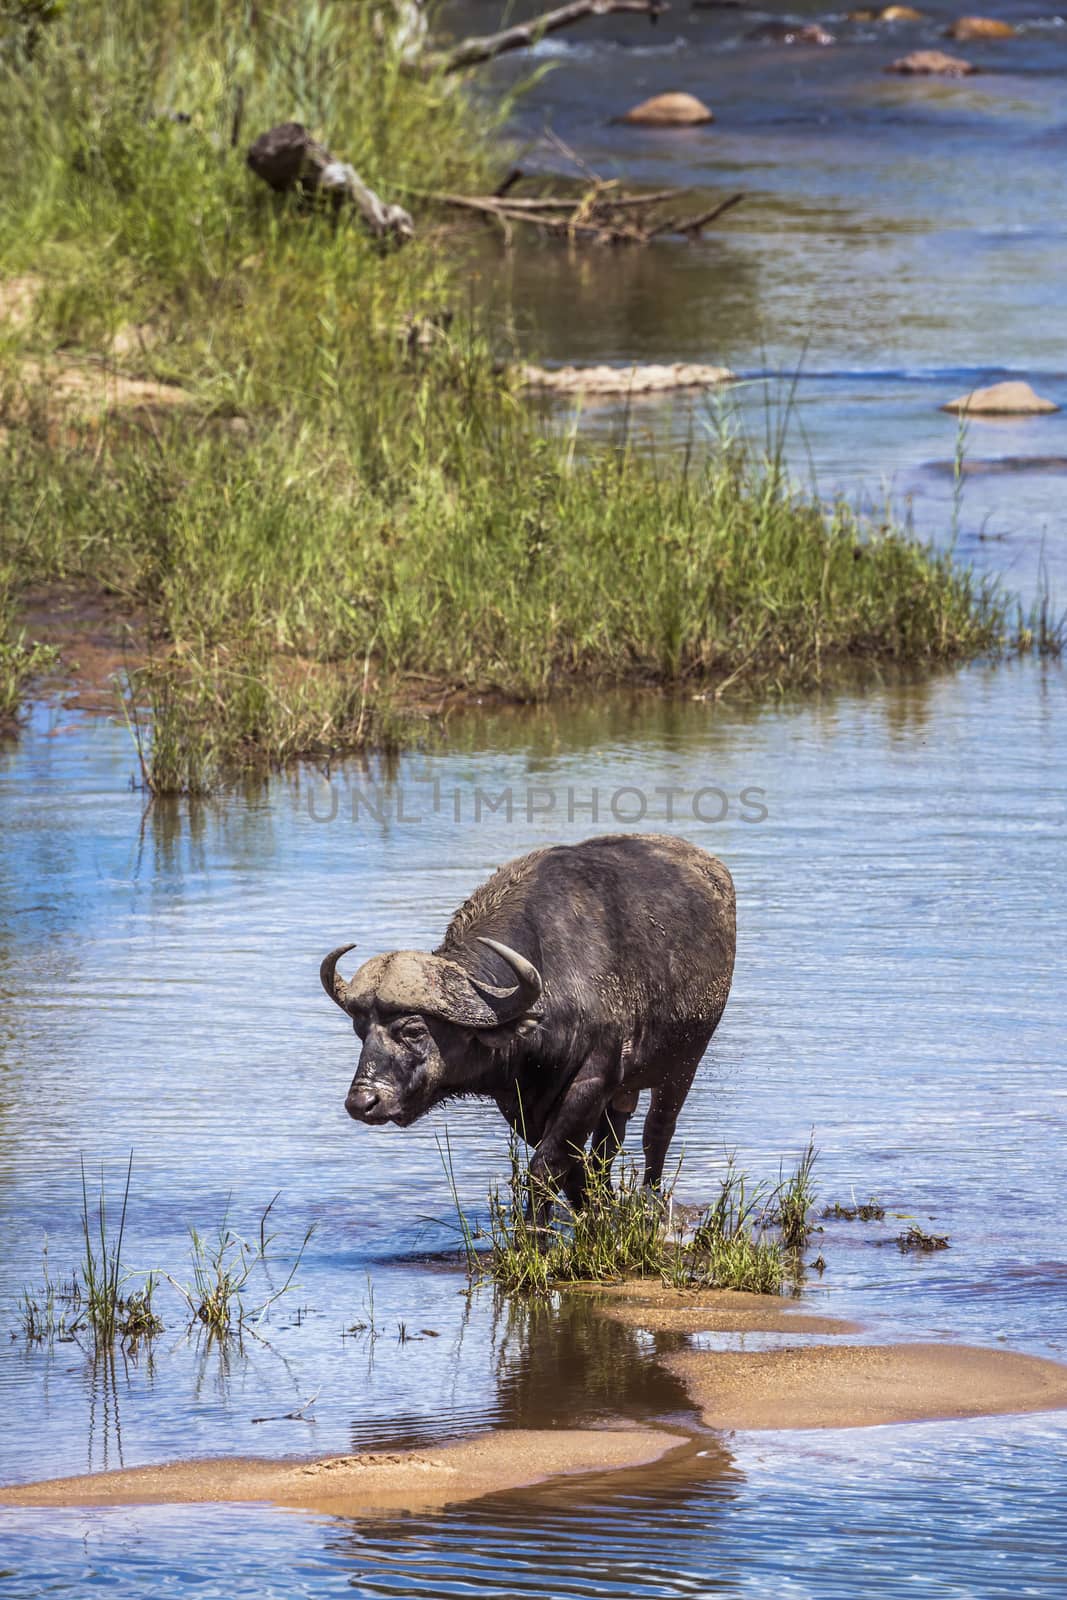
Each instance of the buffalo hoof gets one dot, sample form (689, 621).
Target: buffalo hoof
(669, 111)
(1011, 399)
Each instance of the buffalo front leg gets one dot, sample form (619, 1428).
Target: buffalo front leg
(559, 1161)
(610, 1132)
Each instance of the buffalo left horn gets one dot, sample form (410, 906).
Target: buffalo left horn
(335, 985)
(526, 992)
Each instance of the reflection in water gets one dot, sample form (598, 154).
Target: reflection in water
(659, 1531)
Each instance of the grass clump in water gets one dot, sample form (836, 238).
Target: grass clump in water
(630, 1231)
(916, 1238)
(224, 1265)
(20, 660)
(870, 1210)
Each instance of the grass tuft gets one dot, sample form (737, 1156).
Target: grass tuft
(630, 1231)
(225, 1266)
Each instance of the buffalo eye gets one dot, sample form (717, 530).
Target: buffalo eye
(410, 1030)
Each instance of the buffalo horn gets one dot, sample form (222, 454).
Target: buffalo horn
(335, 985)
(526, 992)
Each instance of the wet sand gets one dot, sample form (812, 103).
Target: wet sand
(859, 1386)
(801, 1387)
(360, 1484)
(663, 1310)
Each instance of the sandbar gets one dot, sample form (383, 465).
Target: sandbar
(859, 1386)
(357, 1485)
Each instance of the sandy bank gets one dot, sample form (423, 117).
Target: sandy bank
(856, 1386)
(358, 1484)
(663, 1310)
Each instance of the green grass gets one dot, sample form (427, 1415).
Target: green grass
(235, 1281)
(750, 1238)
(339, 527)
(231, 1288)
(20, 660)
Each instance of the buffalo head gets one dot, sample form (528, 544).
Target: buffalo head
(417, 1016)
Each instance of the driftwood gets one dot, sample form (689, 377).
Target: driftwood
(472, 52)
(287, 158)
(600, 214)
(634, 380)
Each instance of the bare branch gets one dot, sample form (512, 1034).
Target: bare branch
(472, 52)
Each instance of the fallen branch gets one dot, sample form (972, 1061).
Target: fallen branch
(599, 214)
(472, 52)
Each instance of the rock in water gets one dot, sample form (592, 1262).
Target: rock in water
(933, 62)
(669, 111)
(1012, 399)
(979, 28)
(899, 14)
(623, 380)
(790, 33)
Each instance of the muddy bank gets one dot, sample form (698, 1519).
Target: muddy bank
(860, 1386)
(373, 1481)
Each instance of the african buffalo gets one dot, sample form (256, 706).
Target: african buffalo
(627, 951)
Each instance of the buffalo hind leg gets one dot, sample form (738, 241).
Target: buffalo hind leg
(667, 1100)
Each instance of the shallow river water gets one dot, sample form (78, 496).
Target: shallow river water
(901, 908)
(898, 854)
(902, 241)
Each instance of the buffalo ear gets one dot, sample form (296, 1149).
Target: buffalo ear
(503, 1037)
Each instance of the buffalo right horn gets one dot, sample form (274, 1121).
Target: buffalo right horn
(527, 991)
(335, 985)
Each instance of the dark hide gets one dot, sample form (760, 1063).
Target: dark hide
(633, 937)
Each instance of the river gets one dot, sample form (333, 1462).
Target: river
(898, 853)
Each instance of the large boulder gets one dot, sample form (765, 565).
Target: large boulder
(674, 110)
(1011, 399)
(933, 62)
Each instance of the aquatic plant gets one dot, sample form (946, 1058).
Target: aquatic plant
(631, 1231)
(97, 1297)
(794, 1199)
(226, 1268)
(916, 1238)
(109, 1312)
(871, 1210)
(20, 660)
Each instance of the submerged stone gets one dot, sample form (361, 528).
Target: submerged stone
(887, 14)
(790, 33)
(1011, 399)
(980, 28)
(933, 62)
(675, 110)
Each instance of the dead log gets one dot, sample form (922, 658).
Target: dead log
(472, 52)
(599, 214)
(288, 158)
